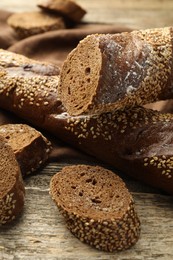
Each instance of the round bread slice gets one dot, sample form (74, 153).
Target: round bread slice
(97, 206)
(30, 147)
(11, 184)
(67, 8)
(30, 23)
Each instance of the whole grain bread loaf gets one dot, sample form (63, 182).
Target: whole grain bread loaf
(30, 147)
(67, 8)
(136, 141)
(12, 189)
(97, 206)
(106, 72)
(30, 23)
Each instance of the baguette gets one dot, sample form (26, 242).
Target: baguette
(136, 141)
(30, 23)
(67, 8)
(107, 72)
(30, 147)
(12, 189)
(20, 65)
(26, 87)
(98, 208)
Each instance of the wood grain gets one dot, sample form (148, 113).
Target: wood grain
(133, 14)
(40, 232)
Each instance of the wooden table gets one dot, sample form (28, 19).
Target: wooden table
(129, 13)
(40, 232)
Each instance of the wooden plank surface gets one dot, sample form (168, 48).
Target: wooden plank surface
(135, 14)
(40, 232)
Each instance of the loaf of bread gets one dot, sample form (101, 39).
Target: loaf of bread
(30, 23)
(26, 87)
(136, 141)
(97, 206)
(107, 72)
(20, 66)
(12, 189)
(67, 8)
(30, 147)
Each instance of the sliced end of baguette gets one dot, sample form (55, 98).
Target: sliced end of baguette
(29, 145)
(79, 76)
(31, 23)
(107, 72)
(67, 8)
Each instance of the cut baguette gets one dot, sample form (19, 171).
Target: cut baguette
(97, 206)
(67, 8)
(12, 189)
(108, 72)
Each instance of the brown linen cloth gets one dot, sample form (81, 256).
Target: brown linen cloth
(53, 47)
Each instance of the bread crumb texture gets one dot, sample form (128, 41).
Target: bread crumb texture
(98, 208)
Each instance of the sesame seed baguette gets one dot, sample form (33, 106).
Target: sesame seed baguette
(98, 208)
(30, 23)
(105, 72)
(67, 8)
(19, 65)
(137, 141)
(12, 189)
(30, 147)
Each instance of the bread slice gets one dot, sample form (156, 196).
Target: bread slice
(11, 185)
(31, 23)
(108, 72)
(30, 147)
(67, 8)
(97, 206)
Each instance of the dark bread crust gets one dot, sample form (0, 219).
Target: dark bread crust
(30, 147)
(20, 65)
(124, 69)
(30, 23)
(97, 206)
(12, 189)
(69, 9)
(137, 141)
